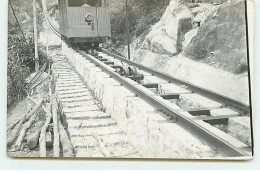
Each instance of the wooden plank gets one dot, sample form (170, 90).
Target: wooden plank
(219, 116)
(109, 63)
(103, 60)
(151, 85)
(135, 78)
(169, 96)
(98, 57)
(116, 66)
(200, 112)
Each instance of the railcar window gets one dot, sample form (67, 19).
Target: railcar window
(85, 3)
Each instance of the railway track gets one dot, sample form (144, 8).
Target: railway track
(212, 108)
(194, 118)
(226, 101)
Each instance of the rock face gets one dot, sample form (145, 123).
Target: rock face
(213, 33)
(222, 38)
(166, 35)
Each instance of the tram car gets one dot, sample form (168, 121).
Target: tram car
(84, 21)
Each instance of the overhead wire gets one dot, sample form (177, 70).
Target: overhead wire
(18, 22)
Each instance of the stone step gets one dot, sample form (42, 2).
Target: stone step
(62, 76)
(101, 131)
(69, 80)
(87, 115)
(73, 95)
(71, 88)
(61, 65)
(69, 92)
(79, 104)
(65, 72)
(116, 139)
(84, 142)
(57, 69)
(92, 132)
(61, 71)
(64, 85)
(90, 108)
(91, 123)
(77, 99)
(66, 68)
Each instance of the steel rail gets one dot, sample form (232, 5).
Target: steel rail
(49, 23)
(234, 104)
(224, 146)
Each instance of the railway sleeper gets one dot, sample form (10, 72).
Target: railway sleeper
(103, 59)
(151, 85)
(98, 57)
(170, 96)
(109, 63)
(136, 78)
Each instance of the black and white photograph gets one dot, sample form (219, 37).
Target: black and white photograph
(130, 79)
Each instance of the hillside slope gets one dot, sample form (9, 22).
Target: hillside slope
(222, 39)
(202, 43)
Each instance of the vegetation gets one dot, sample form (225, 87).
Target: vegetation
(141, 15)
(20, 52)
(18, 67)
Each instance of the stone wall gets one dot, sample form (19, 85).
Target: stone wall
(149, 131)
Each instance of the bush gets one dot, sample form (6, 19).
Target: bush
(20, 63)
(118, 25)
(142, 14)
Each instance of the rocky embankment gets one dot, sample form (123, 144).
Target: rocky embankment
(198, 42)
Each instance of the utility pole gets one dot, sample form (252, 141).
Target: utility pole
(35, 37)
(127, 29)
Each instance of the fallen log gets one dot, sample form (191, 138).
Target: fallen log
(13, 135)
(33, 139)
(19, 119)
(21, 125)
(56, 144)
(26, 126)
(65, 142)
(42, 139)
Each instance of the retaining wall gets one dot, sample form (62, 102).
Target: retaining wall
(152, 134)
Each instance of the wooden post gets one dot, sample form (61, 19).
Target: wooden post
(47, 46)
(127, 29)
(56, 143)
(35, 37)
(42, 139)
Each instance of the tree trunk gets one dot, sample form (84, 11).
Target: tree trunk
(19, 119)
(65, 142)
(33, 139)
(56, 145)
(42, 140)
(23, 126)
(13, 135)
